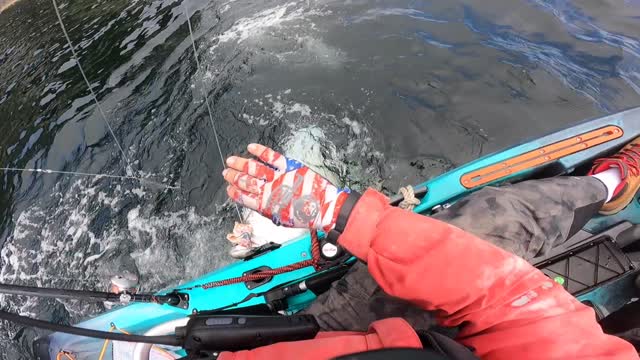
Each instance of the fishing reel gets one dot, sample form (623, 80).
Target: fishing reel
(124, 285)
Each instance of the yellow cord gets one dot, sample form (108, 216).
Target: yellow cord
(106, 343)
(103, 352)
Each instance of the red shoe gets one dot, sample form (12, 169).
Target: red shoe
(628, 162)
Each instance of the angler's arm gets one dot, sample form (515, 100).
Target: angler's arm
(506, 306)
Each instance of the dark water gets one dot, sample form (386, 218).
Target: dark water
(374, 93)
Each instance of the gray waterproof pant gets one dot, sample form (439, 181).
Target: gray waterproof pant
(527, 219)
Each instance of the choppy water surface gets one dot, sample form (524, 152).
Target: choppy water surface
(374, 93)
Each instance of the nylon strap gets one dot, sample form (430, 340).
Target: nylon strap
(343, 217)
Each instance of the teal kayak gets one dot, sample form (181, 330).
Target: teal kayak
(568, 151)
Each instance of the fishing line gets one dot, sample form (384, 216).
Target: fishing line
(206, 97)
(170, 340)
(93, 94)
(48, 171)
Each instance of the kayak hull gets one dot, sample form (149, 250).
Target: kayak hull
(521, 162)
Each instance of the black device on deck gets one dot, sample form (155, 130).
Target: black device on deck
(243, 332)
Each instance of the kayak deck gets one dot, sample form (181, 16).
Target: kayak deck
(569, 151)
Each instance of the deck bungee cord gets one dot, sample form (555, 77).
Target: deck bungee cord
(265, 274)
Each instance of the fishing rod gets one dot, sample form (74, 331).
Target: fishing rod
(123, 297)
(170, 340)
(205, 331)
(202, 332)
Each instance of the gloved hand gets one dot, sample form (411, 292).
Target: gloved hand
(284, 190)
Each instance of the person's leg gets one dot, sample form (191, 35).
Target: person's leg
(526, 219)
(529, 218)
(355, 301)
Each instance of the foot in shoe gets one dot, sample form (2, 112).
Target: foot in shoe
(627, 161)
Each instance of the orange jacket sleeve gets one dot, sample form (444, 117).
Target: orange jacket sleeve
(387, 333)
(507, 308)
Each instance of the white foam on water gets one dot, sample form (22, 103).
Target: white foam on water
(55, 244)
(175, 246)
(356, 127)
(373, 14)
(256, 25)
(225, 8)
(279, 108)
(276, 110)
(311, 50)
(52, 243)
(295, 15)
(308, 142)
(304, 110)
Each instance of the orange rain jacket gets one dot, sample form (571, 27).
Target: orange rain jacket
(510, 309)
